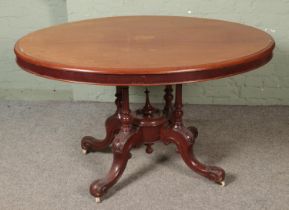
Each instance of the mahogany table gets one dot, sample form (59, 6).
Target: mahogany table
(144, 51)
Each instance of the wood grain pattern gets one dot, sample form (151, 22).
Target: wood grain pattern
(144, 50)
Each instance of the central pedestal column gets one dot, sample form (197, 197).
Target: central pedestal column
(126, 130)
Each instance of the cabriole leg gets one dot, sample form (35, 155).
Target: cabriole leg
(184, 139)
(121, 146)
(112, 125)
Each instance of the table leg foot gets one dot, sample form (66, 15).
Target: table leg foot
(90, 144)
(121, 146)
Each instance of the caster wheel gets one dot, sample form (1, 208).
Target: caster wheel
(222, 183)
(84, 151)
(97, 200)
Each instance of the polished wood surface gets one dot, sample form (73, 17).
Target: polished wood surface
(144, 50)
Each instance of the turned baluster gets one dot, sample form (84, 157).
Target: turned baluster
(118, 95)
(178, 112)
(126, 119)
(168, 100)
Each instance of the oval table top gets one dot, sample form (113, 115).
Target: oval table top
(143, 50)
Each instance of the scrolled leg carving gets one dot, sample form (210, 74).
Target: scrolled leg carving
(126, 131)
(121, 146)
(90, 144)
(112, 125)
(128, 137)
(184, 139)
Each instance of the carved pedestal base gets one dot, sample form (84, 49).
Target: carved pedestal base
(126, 130)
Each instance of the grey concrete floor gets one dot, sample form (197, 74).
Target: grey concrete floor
(42, 167)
